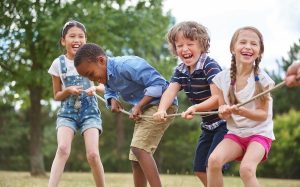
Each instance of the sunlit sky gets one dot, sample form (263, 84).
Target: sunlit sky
(279, 22)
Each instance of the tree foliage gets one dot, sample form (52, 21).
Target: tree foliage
(285, 154)
(286, 98)
(30, 31)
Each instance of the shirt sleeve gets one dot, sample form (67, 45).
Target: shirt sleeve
(176, 77)
(265, 79)
(211, 69)
(54, 68)
(144, 74)
(108, 95)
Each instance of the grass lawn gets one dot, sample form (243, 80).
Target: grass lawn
(69, 179)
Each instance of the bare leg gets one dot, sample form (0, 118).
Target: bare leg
(202, 176)
(254, 154)
(138, 175)
(64, 140)
(148, 166)
(227, 150)
(91, 139)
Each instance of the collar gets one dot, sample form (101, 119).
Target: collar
(109, 65)
(199, 66)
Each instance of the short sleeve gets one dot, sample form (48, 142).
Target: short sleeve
(176, 77)
(54, 68)
(265, 79)
(211, 69)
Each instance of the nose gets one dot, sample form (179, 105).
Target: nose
(248, 46)
(185, 48)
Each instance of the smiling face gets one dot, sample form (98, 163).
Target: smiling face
(94, 71)
(247, 47)
(189, 51)
(74, 38)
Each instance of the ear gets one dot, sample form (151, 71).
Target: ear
(101, 60)
(62, 41)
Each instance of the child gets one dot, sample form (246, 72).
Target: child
(190, 42)
(293, 74)
(79, 108)
(139, 84)
(250, 126)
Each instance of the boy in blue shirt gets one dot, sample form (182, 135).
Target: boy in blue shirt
(139, 84)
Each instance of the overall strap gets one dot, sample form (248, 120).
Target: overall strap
(63, 67)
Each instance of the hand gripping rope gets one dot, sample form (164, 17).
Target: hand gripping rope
(212, 112)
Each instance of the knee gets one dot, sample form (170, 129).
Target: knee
(136, 151)
(63, 150)
(246, 171)
(214, 163)
(93, 156)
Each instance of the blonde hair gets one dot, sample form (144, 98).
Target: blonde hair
(258, 86)
(191, 30)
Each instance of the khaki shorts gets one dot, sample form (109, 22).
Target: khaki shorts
(148, 133)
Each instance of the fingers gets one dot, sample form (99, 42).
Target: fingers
(187, 115)
(160, 116)
(224, 111)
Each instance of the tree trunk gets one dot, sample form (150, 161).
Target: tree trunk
(36, 155)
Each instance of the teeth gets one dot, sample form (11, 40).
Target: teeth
(187, 56)
(76, 46)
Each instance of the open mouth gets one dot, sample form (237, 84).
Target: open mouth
(247, 54)
(187, 56)
(75, 46)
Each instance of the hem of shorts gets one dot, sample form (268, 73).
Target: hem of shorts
(99, 128)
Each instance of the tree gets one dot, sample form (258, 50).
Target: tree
(286, 98)
(30, 31)
(285, 154)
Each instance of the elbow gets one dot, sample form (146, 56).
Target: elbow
(263, 117)
(57, 98)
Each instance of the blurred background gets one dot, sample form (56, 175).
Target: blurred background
(29, 42)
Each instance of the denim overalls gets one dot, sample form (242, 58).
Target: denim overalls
(78, 111)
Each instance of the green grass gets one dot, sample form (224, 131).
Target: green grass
(69, 179)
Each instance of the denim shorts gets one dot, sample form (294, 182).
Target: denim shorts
(207, 142)
(87, 123)
(88, 116)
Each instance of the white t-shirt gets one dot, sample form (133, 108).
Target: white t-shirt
(239, 125)
(56, 70)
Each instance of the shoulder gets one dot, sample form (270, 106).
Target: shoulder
(180, 67)
(128, 60)
(55, 66)
(210, 62)
(224, 74)
(265, 79)
(132, 64)
(222, 77)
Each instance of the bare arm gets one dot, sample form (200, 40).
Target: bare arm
(137, 109)
(59, 93)
(207, 105)
(259, 114)
(166, 101)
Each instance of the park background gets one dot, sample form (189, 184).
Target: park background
(30, 32)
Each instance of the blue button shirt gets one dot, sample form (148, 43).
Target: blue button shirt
(131, 78)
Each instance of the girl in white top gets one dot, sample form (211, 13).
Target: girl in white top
(250, 127)
(79, 108)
